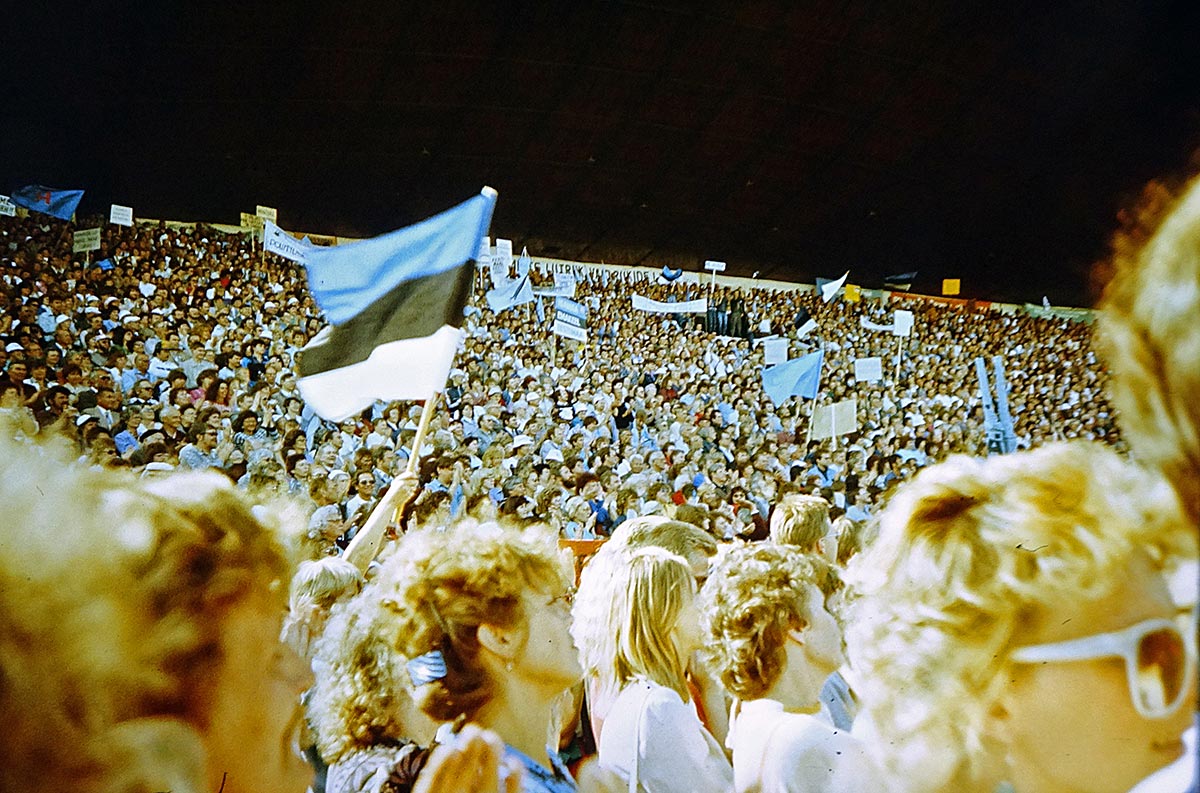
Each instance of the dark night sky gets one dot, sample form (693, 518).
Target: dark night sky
(991, 142)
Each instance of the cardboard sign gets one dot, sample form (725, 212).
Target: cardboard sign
(267, 213)
(868, 370)
(251, 221)
(503, 254)
(570, 319)
(839, 418)
(951, 286)
(7, 207)
(86, 240)
(775, 351)
(716, 267)
(903, 324)
(120, 216)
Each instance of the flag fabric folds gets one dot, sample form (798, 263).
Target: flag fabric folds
(48, 200)
(510, 294)
(346, 279)
(901, 282)
(797, 377)
(276, 240)
(829, 289)
(396, 342)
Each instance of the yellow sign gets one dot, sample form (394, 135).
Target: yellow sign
(951, 286)
(853, 293)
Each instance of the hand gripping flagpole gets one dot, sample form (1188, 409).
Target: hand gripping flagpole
(365, 545)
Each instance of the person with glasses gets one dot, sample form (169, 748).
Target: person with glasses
(1012, 623)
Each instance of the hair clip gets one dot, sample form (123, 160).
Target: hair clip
(426, 668)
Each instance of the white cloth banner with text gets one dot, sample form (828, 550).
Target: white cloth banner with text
(655, 307)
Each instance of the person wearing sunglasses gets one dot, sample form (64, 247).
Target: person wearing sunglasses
(1012, 623)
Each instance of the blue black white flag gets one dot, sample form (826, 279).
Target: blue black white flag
(395, 304)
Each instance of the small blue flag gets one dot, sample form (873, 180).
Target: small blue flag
(541, 312)
(670, 275)
(511, 294)
(523, 263)
(798, 377)
(105, 264)
(48, 200)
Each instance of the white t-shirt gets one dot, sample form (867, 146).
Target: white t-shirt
(649, 726)
(779, 752)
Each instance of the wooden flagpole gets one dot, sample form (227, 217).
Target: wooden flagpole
(365, 545)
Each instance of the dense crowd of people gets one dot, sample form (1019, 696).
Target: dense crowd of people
(891, 608)
(178, 351)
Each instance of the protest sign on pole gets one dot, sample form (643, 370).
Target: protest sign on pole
(120, 215)
(714, 268)
(267, 213)
(903, 323)
(570, 319)
(503, 254)
(7, 207)
(829, 421)
(86, 240)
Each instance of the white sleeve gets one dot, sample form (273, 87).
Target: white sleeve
(676, 753)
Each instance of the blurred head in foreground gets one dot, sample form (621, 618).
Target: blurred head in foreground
(139, 646)
(1150, 332)
(1012, 622)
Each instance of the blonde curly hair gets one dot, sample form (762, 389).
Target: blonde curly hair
(757, 594)
(1151, 337)
(969, 553)
(433, 593)
(113, 596)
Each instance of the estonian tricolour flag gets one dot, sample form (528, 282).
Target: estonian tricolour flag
(395, 306)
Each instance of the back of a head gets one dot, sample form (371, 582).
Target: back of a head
(650, 592)
(114, 594)
(680, 538)
(968, 553)
(755, 596)
(1151, 337)
(592, 615)
(801, 521)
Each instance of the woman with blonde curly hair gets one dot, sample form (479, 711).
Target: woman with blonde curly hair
(652, 736)
(770, 640)
(1012, 623)
(481, 613)
(139, 642)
